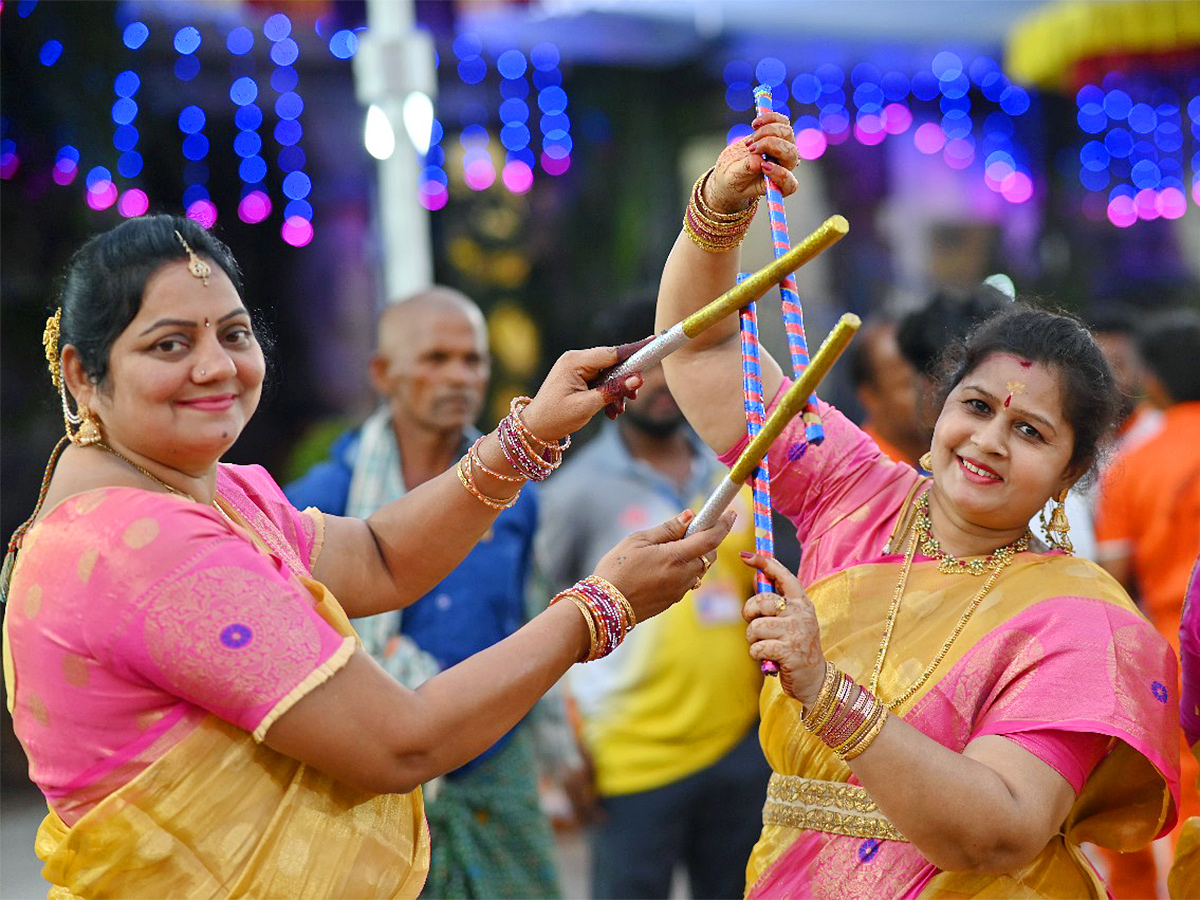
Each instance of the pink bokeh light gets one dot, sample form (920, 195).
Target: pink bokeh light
(9, 163)
(64, 175)
(297, 231)
(433, 196)
(102, 195)
(203, 213)
(958, 153)
(555, 165)
(1172, 204)
(868, 130)
(254, 207)
(1121, 211)
(479, 174)
(929, 138)
(811, 143)
(897, 118)
(1017, 187)
(1146, 204)
(133, 203)
(518, 177)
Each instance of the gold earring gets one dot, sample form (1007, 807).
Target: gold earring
(926, 461)
(89, 429)
(1058, 527)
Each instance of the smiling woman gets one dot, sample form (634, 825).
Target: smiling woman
(180, 674)
(1027, 703)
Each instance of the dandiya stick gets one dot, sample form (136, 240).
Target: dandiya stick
(793, 315)
(829, 233)
(792, 403)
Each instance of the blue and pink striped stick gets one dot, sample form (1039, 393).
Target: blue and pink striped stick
(793, 316)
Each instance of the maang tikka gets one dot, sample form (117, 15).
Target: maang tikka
(197, 266)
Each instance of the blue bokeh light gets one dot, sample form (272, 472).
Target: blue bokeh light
(240, 41)
(806, 88)
(1142, 118)
(288, 132)
(291, 159)
(289, 105)
(958, 86)
(296, 185)
(194, 192)
(770, 71)
(243, 92)
(947, 66)
(301, 209)
(343, 44)
(126, 84)
(514, 111)
(187, 39)
(1093, 179)
(1015, 100)
(737, 71)
(97, 175)
(1117, 104)
(544, 78)
(1092, 118)
(129, 164)
(252, 169)
(544, 56)
(124, 110)
(895, 86)
(277, 27)
(135, 35)
(50, 52)
(924, 85)
(247, 143)
(514, 136)
(284, 53)
(467, 45)
(472, 70)
(248, 117)
(552, 100)
(511, 64)
(1094, 155)
(1118, 142)
(1145, 174)
(195, 146)
(191, 119)
(125, 137)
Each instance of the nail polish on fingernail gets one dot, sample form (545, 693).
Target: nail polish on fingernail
(746, 555)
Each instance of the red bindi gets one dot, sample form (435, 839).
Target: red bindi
(1026, 364)
(1007, 400)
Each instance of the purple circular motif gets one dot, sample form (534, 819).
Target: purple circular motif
(868, 849)
(797, 450)
(236, 636)
(1159, 690)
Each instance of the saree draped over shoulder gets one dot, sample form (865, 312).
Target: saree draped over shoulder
(1055, 658)
(142, 692)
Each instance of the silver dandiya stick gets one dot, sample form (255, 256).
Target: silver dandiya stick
(653, 350)
(789, 406)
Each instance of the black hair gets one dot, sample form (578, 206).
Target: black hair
(1057, 340)
(1169, 343)
(948, 316)
(861, 365)
(106, 280)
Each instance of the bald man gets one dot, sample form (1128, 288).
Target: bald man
(430, 369)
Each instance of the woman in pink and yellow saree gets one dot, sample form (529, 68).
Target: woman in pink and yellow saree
(193, 701)
(959, 706)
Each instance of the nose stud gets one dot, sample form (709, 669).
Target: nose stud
(203, 372)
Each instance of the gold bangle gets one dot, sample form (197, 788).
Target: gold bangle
(464, 476)
(591, 625)
(823, 695)
(869, 738)
(477, 460)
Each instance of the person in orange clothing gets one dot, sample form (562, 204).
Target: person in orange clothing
(1148, 511)
(886, 386)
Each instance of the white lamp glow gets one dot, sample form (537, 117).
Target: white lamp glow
(378, 134)
(418, 120)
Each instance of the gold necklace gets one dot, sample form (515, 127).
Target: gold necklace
(921, 533)
(103, 445)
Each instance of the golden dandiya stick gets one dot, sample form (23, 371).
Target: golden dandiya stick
(654, 350)
(789, 406)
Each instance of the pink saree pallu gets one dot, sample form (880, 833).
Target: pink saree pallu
(1056, 647)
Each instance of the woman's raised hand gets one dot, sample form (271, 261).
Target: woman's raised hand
(564, 403)
(783, 627)
(655, 567)
(737, 177)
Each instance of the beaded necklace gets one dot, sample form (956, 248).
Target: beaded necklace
(174, 490)
(921, 533)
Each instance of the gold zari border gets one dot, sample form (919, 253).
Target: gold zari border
(830, 806)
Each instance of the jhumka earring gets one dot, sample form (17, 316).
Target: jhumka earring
(1058, 527)
(89, 429)
(926, 461)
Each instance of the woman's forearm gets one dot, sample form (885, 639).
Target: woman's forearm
(964, 813)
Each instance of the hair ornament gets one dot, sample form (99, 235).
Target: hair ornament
(197, 266)
(50, 342)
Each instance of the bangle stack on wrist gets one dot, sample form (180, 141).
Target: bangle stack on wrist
(845, 716)
(712, 231)
(608, 614)
(532, 458)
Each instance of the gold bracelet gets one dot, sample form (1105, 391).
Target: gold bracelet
(867, 739)
(477, 460)
(823, 695)
(836, 711)
(591, 625)
(464, 476)
(613, 591)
